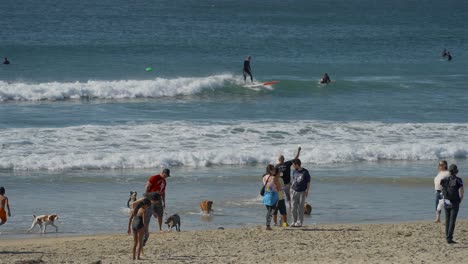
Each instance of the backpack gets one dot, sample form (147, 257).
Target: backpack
(450, 188)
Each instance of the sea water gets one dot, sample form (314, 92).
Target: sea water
(82, 123)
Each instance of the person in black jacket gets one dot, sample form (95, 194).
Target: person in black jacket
(452, 189)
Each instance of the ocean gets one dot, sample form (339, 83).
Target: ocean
(82, 123)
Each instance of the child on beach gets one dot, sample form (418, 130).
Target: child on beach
(4, 203)
(137, 225)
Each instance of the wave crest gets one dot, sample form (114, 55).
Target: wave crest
(125, 89)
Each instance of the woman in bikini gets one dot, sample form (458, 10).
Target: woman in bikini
(137, 224)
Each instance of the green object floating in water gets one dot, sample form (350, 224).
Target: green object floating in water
(148, 69)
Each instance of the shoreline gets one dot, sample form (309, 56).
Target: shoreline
(421, 241)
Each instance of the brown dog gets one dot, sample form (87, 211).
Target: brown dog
(307, 209)
(206, 206)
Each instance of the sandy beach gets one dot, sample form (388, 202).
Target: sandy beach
(418, 242)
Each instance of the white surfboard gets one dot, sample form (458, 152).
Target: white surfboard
(258, 86)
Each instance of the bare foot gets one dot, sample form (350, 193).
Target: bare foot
(437, 221)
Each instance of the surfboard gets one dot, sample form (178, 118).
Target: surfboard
(270, 83)
(259, 85)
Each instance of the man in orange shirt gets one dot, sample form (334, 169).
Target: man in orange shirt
(157, 183)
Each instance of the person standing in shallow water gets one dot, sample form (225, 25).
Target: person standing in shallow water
(156, 184)
(285, 172)
(6, 61)
(300, 187)
(442, 174)
(4, 203)
(452, 189)
(270, 198)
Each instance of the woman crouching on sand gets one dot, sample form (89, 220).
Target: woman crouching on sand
(270, 198)
(137, 222)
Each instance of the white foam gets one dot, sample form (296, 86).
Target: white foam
(150, 145)
(159, 87)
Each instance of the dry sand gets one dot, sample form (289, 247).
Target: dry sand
(421, 242)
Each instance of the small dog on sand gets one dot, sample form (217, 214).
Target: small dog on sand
(173, 221)
(206, 206)
(132, 199)
(307, 208)
(43, 221)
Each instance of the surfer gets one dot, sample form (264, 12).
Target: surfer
(6, 61)
(247, 69)
(449, 56)
(325, 78)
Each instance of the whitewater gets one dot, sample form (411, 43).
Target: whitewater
(117, 89)
(182, 143)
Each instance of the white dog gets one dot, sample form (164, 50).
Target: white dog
(43, 221)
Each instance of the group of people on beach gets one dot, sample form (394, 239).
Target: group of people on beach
(449, 193)
(279, 187)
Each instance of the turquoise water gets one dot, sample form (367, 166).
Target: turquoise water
(82, 121)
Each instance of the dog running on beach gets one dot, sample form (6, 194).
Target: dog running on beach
(43, 221)
(206, 206)
(173, 221)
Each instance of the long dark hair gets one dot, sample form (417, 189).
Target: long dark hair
(269, 168)
(140, 205)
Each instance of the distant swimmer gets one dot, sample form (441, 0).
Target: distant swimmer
(449, 56)
(247, 70)
(6, 61)
(444, 53)
(325, 78)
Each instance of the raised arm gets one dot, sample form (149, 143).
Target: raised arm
(298, 153)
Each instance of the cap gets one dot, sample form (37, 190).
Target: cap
(167, 172)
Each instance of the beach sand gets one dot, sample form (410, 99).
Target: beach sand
(418, 242)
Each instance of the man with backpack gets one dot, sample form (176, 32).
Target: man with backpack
(452, 189)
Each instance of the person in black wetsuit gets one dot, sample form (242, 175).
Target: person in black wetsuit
(247, 70)
(444, 53)
(449, 56)
(137, 225)
(6, 61)
(325, 78)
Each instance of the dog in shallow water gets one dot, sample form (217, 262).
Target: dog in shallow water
(43, 221)
(131, 199)
(307, 209)
(206, 206)
(173, 221)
